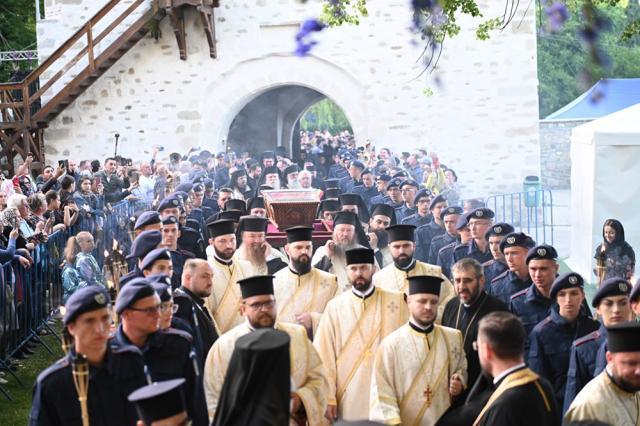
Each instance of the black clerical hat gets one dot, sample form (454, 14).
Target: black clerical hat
(253, 224)
(299, 233)
(348, 218)
(401, 232)
(159, 400)
(624, 337)
(357, 256)
(221, 227)
(257, 285)
(421, 284)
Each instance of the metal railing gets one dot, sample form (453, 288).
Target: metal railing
(529, 211)
(30, 297)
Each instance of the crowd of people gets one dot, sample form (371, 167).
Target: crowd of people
(419, 308)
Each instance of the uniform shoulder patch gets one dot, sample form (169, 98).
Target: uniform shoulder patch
(588, 338)
(519, 294)
(489, 263)
(57, 366)
(499, 277)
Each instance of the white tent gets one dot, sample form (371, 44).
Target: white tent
(605, 183)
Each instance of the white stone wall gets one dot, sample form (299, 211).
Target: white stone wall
(481, 119)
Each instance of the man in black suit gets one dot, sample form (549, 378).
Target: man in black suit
(465, 311)
(197, 284)
(521, 396)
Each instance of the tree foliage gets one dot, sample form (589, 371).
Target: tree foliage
(17, 32)
(325, 115)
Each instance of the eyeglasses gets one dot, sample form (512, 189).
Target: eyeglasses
(151, 311)
(168, 306)
(257, 306)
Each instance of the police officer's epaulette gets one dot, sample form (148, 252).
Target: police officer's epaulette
(120, 349)
(594, 335)
(488, 263)
(448, 246)
(501, 276)
(544, 322)
(520, 293)
(174, 332)
(186, 253)
(178, 292)
(57, 366)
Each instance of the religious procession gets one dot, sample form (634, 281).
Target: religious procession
(270, 214)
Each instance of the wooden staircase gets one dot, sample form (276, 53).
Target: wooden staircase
(23, 114)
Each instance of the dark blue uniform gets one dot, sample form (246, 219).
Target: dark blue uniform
(437, 243)
(337, 171)
(347, 184)
(169, 355)
(424, 236)
(446, 256)
(367, 194)
(55, 399)
(474, 252)
(178, 259)
(582, 363)
(221, 177)
(417, 220)
(550, 347)
(492, 269)
(506, 285)
(404, 211)
(380, 199)
(531, 307)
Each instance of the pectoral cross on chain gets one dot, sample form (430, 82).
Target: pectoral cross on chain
(428, 394)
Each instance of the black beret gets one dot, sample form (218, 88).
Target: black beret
(383, 177)
(299, 233)
(543, 251)
(401, 232)
(611, 287)
(350, 199)
(409, 182)
(345, 218)
(86, 299)
(357, 163)
(147, 218)
(423, 193)
(257, 285)
(181, 196)
(198, 187)
(170, 202)
(367, 171)
(517, 239)
(184, 187)
(394, 183)
(221, 227)
(235, 204)
(451, 210)
(136, 289)
(170, 220)
(400, 174)
(357, 256)
(153, 256)
(208, 183)
(564, 281)
(255, 203)
(162, 290)
(437, 199)
(481, 213)
(253, 224)
(159, 400)
(420, 284)
(499, 230)
(144, 243)
(624, 337)
(463, 221)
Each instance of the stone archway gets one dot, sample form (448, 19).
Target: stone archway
(309, 80)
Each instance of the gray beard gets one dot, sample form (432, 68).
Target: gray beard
(255, 255)
(341, 248)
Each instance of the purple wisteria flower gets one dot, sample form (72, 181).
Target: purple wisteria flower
(558, 14)
(304, 42)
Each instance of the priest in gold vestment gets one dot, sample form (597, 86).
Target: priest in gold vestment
(613, 397)
(394, 277)
(309, 385)
(421, 366)
(350, 331)
(254, 248)
(301, 290)
(224, 301)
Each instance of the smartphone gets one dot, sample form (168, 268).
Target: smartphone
(98, 180)
(129, 162)
(60, 163)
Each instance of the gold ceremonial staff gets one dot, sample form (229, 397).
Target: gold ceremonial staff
(80, 369)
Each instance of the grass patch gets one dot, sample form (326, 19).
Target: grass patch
(16, 412)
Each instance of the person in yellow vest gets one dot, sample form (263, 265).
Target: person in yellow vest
(613, 396)
(224, 301)
(301, 290)
(395, 276)
(309, 385)
(350, 331)
(421, 367)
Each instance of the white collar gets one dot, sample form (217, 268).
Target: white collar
(363, 294)
(508, 371)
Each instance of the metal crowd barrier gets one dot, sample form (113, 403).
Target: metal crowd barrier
(30, 298)
(530, 212)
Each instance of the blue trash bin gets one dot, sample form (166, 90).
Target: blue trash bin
(531, 188)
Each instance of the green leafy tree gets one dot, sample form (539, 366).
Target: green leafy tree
(325, 115)
(17, 32)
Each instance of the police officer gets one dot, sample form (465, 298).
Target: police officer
(533, 304)
(367, 189)
(166, 354)
(494, 236)
(479, 221)
(551, 340)
(197, 283)
(408, 190)
(515, 247)
(113, 373)
(435, 227)
(422, 215)
(142, 245)
(170, 236)
(169, 206)
(613, 307)
(354, 177)
(394, 195)
(147, 221)
(447, 253)
(449, 218)
(381, 186)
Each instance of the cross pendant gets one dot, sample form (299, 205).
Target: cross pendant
(427, 394)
